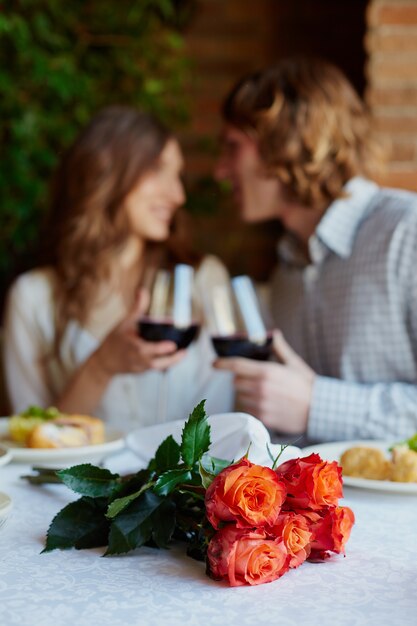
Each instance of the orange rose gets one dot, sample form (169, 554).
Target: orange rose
(296, 534)
(311, 483)
(331, 530)
(247, 494)
(246, 557)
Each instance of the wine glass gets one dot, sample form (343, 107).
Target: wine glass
(237, 324)
(170, 316)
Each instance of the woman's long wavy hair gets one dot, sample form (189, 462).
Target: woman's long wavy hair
(313, 131)
(87, 225)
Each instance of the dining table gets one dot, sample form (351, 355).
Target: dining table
(374, 583)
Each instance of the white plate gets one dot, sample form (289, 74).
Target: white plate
(5, 455)
(83, 454)
(333, 452)
(232, 434)
(5, 507)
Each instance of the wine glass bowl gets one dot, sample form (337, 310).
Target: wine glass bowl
(236, 322)
(170, 314)
(159, 330)
(241, 345)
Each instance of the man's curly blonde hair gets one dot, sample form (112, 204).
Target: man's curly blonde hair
(313, 131)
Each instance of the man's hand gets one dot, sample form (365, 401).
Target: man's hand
(279, 394)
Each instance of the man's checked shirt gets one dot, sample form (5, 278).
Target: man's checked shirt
(351, 313)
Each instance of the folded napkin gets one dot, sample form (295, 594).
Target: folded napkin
(231, 436)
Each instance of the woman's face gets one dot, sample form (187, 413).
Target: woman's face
(152, 203)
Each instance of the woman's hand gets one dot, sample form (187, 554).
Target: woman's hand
(279, 394)
(123, 351)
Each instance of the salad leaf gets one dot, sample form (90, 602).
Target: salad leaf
(412, 443)
(37, 411)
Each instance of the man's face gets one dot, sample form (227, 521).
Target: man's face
(256, 195)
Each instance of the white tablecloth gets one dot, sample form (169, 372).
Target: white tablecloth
(376, 584)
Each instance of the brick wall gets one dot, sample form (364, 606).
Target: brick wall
(373, 41)
(225, 39)
(391, 70)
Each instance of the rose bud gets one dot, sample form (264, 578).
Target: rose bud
(296, 534)
(246, 557)
(244, 493)
(311, 482)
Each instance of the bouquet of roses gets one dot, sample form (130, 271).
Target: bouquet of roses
(250, 523)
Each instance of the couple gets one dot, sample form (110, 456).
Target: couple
(297, 147)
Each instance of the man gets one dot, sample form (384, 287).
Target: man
(297, 147)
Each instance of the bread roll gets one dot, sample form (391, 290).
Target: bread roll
(364, 462)
(404, 467)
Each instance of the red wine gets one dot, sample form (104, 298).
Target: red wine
(152, 330)
(240, 345)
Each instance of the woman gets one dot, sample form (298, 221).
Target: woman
(70, 326)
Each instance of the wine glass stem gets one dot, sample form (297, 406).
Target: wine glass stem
(163, 397)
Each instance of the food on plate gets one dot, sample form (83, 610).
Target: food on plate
(404, 465)
(67, 431)
(364, 462)
(371, 463)
(21, 425)
(39, 428)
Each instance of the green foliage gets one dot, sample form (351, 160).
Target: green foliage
(133, 526)
(170, 479)
(119, 504)
(81, 524)
(148, 507)
(167, 455)
(59, 64)
(209, 467)
(195, 436)
(89, 480)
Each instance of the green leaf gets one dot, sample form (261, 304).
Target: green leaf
(119, 504)
(167, 456)
(163, 523)
(209, 467)
(121, 542)
(170, 479)
(133, 526)
(195, 436)
(89, 480)
(206, 477)
(131, 483)
(81, 524)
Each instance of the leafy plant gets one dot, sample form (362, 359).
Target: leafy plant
(59, 64)
(149, 507)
